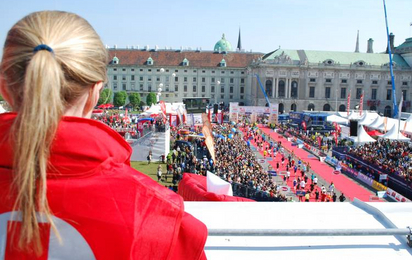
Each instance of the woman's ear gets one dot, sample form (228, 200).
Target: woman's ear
(93, 98)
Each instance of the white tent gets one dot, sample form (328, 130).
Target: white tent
(171, 108)
(342, 114)
(376, 123)
(337, 119)
(363, 137)
(407, 125)
(390, 122)
(394, 134)
(354, 116)
(368, 118)
(2, 110)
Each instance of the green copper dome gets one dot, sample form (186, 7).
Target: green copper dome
(223, 45)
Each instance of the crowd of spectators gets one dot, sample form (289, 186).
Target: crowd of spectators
(311, 138)
(393, 157)
(237, 163)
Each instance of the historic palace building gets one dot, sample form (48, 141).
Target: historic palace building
(296, 79)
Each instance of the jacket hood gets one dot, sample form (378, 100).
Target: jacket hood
(81, 145)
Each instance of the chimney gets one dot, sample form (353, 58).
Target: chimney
(370, 46)
(391, 43)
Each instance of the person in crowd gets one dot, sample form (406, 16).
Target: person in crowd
(307, 196)
(149, 157)
(159, 172)
(342, 198)
(61, 170)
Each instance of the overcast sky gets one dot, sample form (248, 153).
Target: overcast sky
(265, 24)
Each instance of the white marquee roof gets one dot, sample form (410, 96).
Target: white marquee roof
(368, 118)
(376, 123)
(363, 136)
(394, 134)
(337, 119)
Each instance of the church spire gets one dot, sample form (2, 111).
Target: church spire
(357, 43)
(239, 42)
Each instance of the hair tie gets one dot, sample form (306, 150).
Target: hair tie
(42, 47)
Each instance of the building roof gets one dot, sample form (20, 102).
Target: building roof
(342, 58)
(405, 47)
(173, 58)
(223, 45)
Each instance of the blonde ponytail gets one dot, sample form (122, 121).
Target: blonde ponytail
(43, 85)
(34, 128)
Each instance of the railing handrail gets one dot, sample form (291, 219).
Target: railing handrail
(310, 232)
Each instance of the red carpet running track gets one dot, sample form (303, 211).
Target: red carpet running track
(342, 182)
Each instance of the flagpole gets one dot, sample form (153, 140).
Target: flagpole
(336, 96)
(399, 115)
(395, 108)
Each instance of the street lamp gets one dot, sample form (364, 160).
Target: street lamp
(159, 92)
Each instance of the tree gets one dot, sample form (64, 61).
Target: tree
(151, 99)
(1, 98)
(134, 99)
(119, 98)
(105, 96)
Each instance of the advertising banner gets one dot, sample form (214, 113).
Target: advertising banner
(331, 160)
(383, 177)
(365, 179)
(396, 196)
(173, 120)
(273, 113)
(378, 186)
(345, 168)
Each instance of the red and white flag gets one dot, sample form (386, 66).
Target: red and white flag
(163, 107)
(348, 104)
(361, 104)
(304, 125)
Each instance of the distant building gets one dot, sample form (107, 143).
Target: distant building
(220, 75)
(296, 79)
(321, 80)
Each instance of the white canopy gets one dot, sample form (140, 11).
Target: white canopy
(407, 125)
(368, 118)
(394, 134)
(171, 108)
(354, 115)
(337, 119)
(390, 122)
(376, 123)
(363, 137)
(2, 110)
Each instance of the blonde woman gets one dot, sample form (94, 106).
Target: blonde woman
(67, 190)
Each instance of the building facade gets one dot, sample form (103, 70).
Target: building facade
(322, 80)
(220, 76)
(296, 79)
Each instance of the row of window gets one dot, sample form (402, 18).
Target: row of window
(358, 81)
(203, 95)
(185, 88)
(185, 79)
(343, 94)
(177, 71)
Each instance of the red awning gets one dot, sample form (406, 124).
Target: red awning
(374, 133)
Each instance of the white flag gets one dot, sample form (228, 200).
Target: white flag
(400, 108)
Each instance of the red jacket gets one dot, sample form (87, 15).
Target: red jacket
(91, 188)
